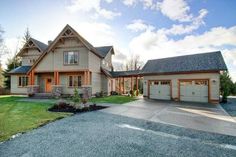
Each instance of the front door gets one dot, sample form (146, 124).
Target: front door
(48, 85)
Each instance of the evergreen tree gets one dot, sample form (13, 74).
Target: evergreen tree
(11, 64)
(27, 35)
(225, 85)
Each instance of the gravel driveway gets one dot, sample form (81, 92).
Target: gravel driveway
(103, 134)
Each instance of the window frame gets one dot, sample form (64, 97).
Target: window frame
(64, 57)
(73, 81)
(21, 83)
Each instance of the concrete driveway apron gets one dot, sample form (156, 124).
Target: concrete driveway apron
(205, 117)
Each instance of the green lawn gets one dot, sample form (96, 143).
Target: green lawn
(18, 116)
(117, 99)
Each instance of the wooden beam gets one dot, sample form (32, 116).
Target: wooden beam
(119, 85)
(89, 82)
(123, 85)
(85, 77)
(136, 86)
(55, 78)
(131, 83)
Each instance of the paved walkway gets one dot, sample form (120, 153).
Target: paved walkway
(100, 134)
(205, 117)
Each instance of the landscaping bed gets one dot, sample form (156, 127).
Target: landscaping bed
(72, 109)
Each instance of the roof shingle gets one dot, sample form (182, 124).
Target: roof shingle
(103, 50)
(20, 70)
(189, 63)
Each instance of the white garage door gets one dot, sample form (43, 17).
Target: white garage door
(194, 90)
(160, 90)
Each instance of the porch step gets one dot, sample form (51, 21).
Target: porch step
(42, 95)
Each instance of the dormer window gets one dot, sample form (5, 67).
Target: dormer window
(71, 57)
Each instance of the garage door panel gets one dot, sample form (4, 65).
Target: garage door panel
(160, 90)
(194, 90)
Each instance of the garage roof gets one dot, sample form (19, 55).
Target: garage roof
(212, 61)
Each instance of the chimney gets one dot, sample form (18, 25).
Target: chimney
(49, 42)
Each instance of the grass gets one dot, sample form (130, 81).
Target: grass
(117, 99)
(17, 117)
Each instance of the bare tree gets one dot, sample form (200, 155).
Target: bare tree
(134, 63)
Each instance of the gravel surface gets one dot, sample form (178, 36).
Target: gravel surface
(230, 107)
(102, 134)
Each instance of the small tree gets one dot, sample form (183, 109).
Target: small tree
(76, 97)
(225, 85)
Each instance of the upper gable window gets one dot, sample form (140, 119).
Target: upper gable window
(71, 57)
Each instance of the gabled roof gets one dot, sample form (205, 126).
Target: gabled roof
(40, 44)
(33, 43)
(20, 70)
(103, 50)
(212, 61)
(67, 31)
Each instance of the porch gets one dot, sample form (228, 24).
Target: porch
(127, 81)
(59, 82)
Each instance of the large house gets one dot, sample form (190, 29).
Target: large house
(71, 61)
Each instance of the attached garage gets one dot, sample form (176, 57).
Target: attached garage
(194, 90)
(160, 89)
(193, 78)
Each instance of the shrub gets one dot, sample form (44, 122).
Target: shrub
(76, 96)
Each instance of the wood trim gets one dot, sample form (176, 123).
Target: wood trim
(198, 79)
(149, 81)
(62, 71)
(179, 73)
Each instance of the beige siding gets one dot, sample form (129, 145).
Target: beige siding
(104, 84)
(94, 67)
(14, 86)
(107, 61)
(30, 55)
(54, 61)
(46, 64)
(213, 77)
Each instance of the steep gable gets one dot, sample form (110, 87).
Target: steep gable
(68, 33)
(33, 44)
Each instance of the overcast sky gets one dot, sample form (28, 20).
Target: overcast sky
(148, 28)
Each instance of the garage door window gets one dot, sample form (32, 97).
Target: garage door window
(203, 83)
(165, 82)
(185, 83)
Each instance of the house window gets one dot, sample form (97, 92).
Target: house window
(74, 81)
(22, 81)
(71, 57)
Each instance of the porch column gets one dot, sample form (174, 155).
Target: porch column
(88, 78)
(119, 85)
(123, 85)
(85, 77)
(58, 78)
(31, 78)
(132, 83)
(55, 78)
(136, 86)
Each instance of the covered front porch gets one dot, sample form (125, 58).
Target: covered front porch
(58, 82)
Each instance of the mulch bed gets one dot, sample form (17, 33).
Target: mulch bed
(71, 109)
